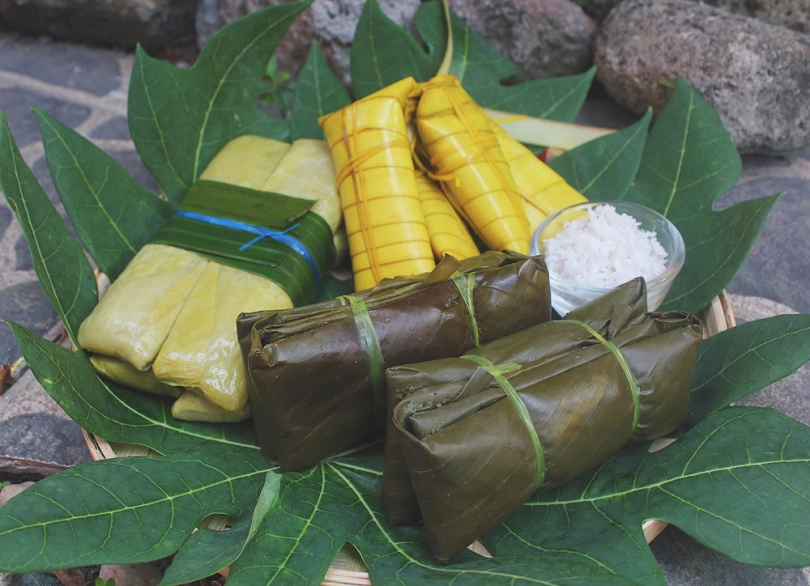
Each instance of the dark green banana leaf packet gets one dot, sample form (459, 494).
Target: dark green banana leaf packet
(317, 373)
(471, 438)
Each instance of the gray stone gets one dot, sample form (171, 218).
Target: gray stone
(685, 562)
(332, 22)
(23, 124)
(39, 438)
(25, 304)
(778, 266)
(544, 38)
(115, 128)
(794, 14)
(95, 71)
(155, 24)
(36, 580)
(755, 75)
(26, 395)
(5, 218)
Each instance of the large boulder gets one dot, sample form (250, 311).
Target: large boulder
(332, 22)
(756, 75)
(544, 38)
(794, 14)
(156, 24)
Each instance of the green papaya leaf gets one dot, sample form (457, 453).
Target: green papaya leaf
(481, 69)
(383, 53)
(745, 359)
(689, 162)
(338, 502)
(603, 169)
(180, 118)
(318, 92)
(59, 261)
(117, 413)
(124, 510)
(113, 214)
(206, 552)
(738, 482)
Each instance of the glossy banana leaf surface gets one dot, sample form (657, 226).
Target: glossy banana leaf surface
(460, 456)
(317, 384)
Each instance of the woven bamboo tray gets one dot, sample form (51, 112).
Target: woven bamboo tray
(348, 569)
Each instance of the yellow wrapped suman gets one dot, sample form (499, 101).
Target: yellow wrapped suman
(171, 314)
(543, 191)
(464, 154)
(385, 224)
(448, 234)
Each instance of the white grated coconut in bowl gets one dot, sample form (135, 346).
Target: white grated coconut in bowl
(604, 250)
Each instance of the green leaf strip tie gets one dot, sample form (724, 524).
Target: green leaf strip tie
(261, 232)
(372, 350)
(465, 286)
(497, 373)
(625, 367)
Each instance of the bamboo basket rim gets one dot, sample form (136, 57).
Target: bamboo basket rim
(718, 316)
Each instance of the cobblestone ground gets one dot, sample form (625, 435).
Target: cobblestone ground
(86, 89)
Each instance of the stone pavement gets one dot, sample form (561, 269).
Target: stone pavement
(85, 88)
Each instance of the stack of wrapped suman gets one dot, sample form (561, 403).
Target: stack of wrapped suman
(256, 230)
(471, 438)
(317, 373)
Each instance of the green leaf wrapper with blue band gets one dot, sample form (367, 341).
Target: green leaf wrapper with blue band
(282, 241)
(578, 390)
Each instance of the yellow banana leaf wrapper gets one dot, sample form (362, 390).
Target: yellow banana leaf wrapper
(138, 311)
(481, 433)
(125, 374)
(448, 234)
(191, 406)
(171, 313)
(317, 372)
(464, 154)
(543, 191)
(388, 236)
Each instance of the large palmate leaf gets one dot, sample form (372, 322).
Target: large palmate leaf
(208, 551)
(738, 482)
(318, 92)
(337, 502)
(180, 118)
(481, 70)
(604, 168)
(689, 162)
(119, 414)
(127, 509)
(383, 53)
(113, 214)
(59, 261)
(742, 360)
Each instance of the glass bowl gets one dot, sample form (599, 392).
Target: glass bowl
(566, 295)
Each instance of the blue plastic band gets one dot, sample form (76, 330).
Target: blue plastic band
(261, 232)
